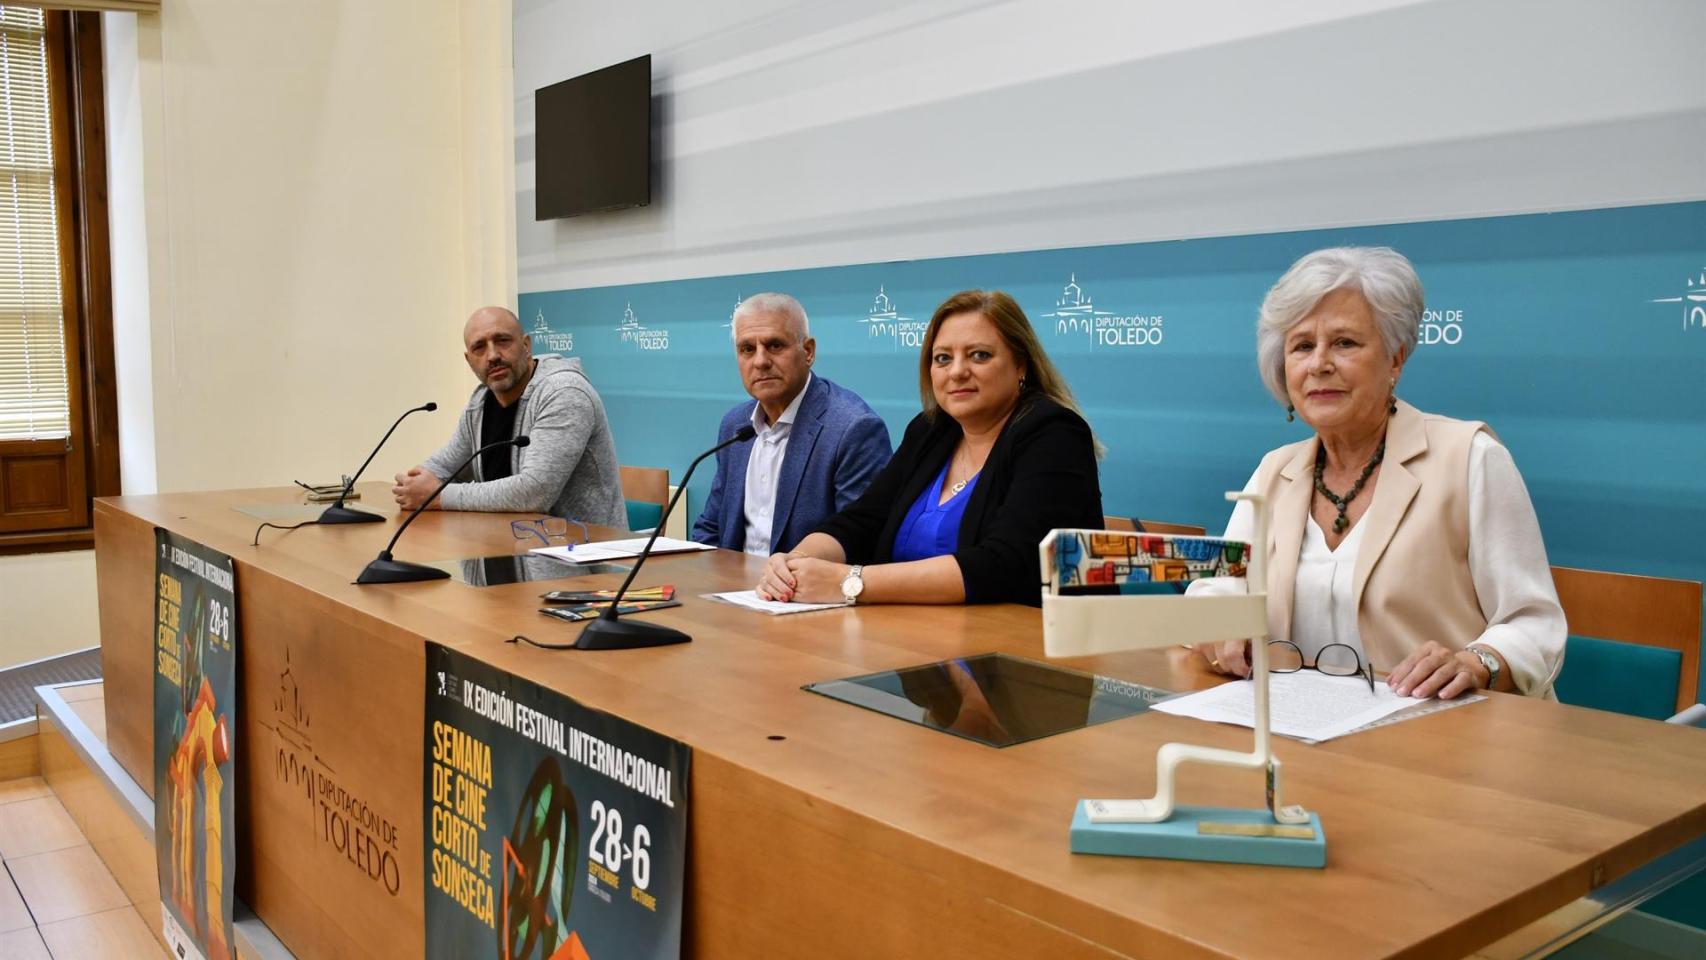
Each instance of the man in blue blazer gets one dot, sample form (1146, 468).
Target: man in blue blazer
(818, 444)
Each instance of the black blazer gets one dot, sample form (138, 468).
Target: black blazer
(1040, 475)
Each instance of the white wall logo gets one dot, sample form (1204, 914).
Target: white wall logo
(883, 320)
(1075, 312)
(1693, 302)
(641, 336)
(1443, 327)
(552, 342)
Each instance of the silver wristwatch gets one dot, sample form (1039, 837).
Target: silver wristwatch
(1489, 660)
(854, 583)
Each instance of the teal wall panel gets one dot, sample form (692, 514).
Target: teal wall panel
(1580, 337)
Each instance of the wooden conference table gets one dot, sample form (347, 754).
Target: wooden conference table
(825, 831)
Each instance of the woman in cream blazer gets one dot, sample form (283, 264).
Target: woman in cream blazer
(1406, 536)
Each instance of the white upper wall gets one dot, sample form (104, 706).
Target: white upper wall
(803, 134)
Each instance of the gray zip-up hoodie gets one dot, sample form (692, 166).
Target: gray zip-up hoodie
(569, 467)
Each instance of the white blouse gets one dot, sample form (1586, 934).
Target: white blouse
(1507, 562)
(1322, 612)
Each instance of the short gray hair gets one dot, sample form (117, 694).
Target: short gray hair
(777, 305)
(1382, 275)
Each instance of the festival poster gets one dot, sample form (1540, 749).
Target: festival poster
(552, 831)
(195, 709)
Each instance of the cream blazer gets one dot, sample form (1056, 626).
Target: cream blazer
(1412, 581)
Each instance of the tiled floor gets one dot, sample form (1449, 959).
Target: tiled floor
(57, 899)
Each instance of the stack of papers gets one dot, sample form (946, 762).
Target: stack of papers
(750, 600)
(618, 549)
(1307, 705)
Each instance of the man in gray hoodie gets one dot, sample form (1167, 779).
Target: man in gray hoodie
(569, 467)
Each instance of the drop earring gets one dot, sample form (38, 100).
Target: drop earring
(1290, 413)
(1392, 398)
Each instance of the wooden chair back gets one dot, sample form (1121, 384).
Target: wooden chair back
(1177, 529)
(645, 485)
(1111, 522)
(1649, 611)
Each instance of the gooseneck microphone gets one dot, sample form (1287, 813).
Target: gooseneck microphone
(383, 569)
(337, 512)
(609, 632)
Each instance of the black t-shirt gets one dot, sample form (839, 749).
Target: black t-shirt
(497, 423)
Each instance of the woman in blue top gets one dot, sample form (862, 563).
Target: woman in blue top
(999, 457)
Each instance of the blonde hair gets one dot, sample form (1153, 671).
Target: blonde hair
(1041, 376)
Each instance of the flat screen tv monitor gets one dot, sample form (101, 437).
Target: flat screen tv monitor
(594, 139)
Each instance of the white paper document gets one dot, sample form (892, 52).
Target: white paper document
(1421, 709)
(1308, 704)
(776, 608)
(618, 549)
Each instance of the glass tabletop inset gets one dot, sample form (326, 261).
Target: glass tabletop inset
(994, 698)
(518, 568)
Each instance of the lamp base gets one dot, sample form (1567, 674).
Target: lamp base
(341, 514)
(386, 570)
(610, 633)
(1221, 834)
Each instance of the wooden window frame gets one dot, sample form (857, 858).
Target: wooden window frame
(76, 91)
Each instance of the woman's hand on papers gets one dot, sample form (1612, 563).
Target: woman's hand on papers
(1231, 657)
(810, 573)
(791, 576)
(815, 581)
(777, 581)
(1435, 670)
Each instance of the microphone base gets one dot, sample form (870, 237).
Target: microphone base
(617, 634)
(385, 570)
(337, 513)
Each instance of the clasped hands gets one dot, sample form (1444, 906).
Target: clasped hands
(791, 576)
(1432, 671)
(412, 488)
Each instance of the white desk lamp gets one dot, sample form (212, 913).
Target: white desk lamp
(1285, 835)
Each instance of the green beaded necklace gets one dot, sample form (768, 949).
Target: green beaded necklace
(1345, 501)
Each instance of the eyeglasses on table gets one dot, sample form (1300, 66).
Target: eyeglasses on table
(1334, 660)
(547, 529)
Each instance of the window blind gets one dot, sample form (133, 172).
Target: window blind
(34, 390)
(133, 6)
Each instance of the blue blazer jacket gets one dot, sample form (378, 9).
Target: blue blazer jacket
(837, 444)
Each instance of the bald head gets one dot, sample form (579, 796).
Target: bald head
(498, 352)
(487, 318)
